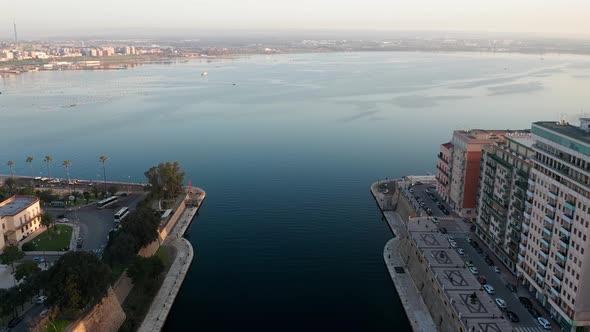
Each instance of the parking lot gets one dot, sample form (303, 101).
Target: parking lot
(428, 202)
(498, 280)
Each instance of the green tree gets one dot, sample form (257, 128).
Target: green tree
(48, 161)
(145, 271)
(10, 186)
(67, 165)
(11, 165)
(95, 191)
(87, 196)
(113, 189)
(77, 281)
(47, 221)
(166, 179)
(26, 270)
(46, 195)
(103, 160)
(11, 254)
(29, 161)
(121, 249)
(143, 225)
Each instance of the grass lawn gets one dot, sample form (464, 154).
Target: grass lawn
(57, 325)
(166, 254)
(55, 241)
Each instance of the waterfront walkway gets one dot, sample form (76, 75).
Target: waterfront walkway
(162, 303)
(410, 297)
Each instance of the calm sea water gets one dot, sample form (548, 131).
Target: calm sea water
(286, 147)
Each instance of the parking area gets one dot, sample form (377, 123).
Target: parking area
(498, 279)
(428, 202)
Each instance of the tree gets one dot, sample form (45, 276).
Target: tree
(142, 225)
(29, 161)
(77, 281)
(47, 221)
(11, 165)
(166, 179)
(10, 186)
(26, 270)
(87, 196)
(67, 165)
(95, 191)
(121, 249)
(48, 161)
(11, 254)
(113, 189)
(145, 271)
(103, 160)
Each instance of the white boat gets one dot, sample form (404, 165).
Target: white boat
(204, 73)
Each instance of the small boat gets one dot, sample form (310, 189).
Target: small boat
(204, 73)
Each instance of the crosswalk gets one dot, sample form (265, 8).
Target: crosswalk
(528, 329)
(459, 235)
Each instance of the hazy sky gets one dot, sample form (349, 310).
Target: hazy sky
(42, 17)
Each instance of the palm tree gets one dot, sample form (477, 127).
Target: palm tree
(103, 160)
(48, 160)
(29, 161)
(67, 165)
(11, 165)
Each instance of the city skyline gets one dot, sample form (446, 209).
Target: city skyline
(38, 19)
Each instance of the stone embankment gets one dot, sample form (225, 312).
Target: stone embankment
(394, 207)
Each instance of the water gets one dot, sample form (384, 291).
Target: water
(289, 237)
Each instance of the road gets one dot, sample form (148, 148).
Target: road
(29, 317)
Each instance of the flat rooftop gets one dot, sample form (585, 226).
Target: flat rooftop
(523, 138)
(16, 204)
(456, 280)
(566, 130)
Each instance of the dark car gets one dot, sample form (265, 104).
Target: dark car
(479, 250)
(445, 211)
(511, 287)
(488, 260)
(14, 322)
(482, 280)
(534, 312)
(443, 230)
(512, 316)
(525, 302)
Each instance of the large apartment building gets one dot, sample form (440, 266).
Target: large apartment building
(19, 217)
(554, 256)
(465, 151)
(505, 167)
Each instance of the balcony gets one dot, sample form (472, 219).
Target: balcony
(520, 258)
(564, 242)
(544, 255)
(525, 228)
(540, 277)
(565, 231)
(552, 194)
(528, 205)
(555, 291)
(551, 207)
(559, 266)
(531, 182)
(556, 279)
(545, 243)
(548, 219)
(570, 205)
(561, 256)
(567, 218)
(522, 247)
(547, 231)
(542, 265)
(529, 193)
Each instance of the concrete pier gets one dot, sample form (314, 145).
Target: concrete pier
(416, 311)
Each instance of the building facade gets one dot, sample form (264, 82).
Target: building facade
(19, 217)
(443, 174)
(554, 255)
(505, 167)
(464, 169)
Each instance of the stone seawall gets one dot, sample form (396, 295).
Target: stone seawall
(106, 316)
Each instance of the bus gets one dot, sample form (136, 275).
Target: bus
(121, 214)
(106, 201)
(166, 214)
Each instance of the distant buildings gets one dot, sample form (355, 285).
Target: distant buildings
(19, 217)
(458, 172)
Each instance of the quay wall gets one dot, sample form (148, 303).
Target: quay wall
(106, 316)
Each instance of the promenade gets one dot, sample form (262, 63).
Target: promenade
(162, 303)
(416, 311)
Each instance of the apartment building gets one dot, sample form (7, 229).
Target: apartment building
(444, 170)
(463, 176)
(554, 260)
(19, 217)
(505, 167)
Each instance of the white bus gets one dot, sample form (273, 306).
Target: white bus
(121, 214)
(106, 201)
(167, 214)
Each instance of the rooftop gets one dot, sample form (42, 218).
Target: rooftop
(522, 138)
(16, 204)
(565, 129)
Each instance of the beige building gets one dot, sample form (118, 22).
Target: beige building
(19, 217)
(554, 259)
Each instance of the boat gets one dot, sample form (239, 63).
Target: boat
(204, 73)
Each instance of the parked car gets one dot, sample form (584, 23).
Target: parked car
(445, 211)
(460, 251)
(473, 270)
(512, 316)
(44, 313)
(39, 259)
(14, 322)
(495, 269)
(545, 323)
(479, 250)
(435, 220)
(443, 230)
(525, 302)
(501, 303)
(469, 264)
(489, 289)
(453, 244)
(511, 287)
(482, 280)
(534, 312)
(41, 299)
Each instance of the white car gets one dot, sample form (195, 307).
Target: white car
(460, 251)
(496, 269)
(41, 299)
(545, 323)
(473, 270)
(63, 220)
(489, 289)
(501, 303)
(453, 244)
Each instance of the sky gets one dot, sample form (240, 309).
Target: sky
(37, 18)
